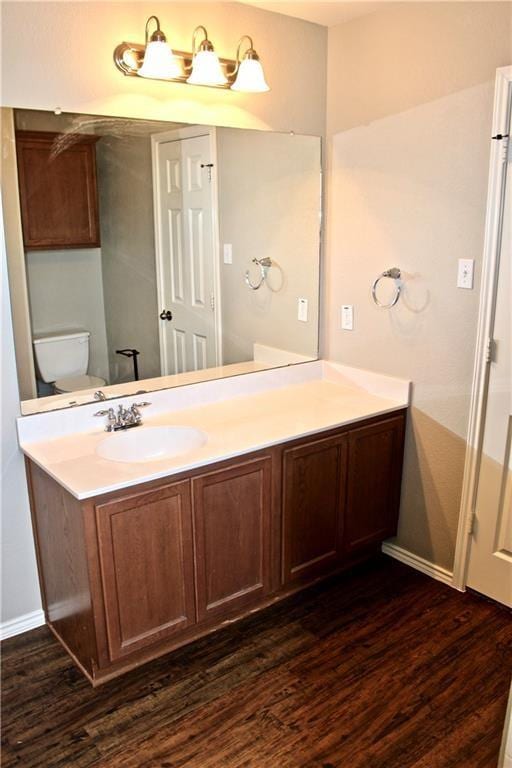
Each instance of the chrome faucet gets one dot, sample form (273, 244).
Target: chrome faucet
(125, 418)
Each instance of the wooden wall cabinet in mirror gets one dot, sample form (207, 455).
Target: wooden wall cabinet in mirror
(58, 190)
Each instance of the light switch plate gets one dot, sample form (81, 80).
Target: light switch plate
(302, 310)
(465, 273)
(228, 253)
(347, 317)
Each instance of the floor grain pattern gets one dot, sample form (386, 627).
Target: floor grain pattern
(381, 667)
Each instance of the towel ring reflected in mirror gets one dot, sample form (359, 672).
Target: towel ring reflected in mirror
(264, 265)
(395, 274)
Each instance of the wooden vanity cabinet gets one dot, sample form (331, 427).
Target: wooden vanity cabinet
(146, 563)
(314, 488)
(58, 190)
(232, 525)
(132, 574)
(374, 476)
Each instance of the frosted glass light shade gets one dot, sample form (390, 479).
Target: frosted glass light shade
(206, 70)
(160, 62)
(250, 77)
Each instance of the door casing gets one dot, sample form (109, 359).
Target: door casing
(490, 271)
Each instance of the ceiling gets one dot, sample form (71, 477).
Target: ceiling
(327, 14)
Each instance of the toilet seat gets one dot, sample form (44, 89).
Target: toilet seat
(75, 383)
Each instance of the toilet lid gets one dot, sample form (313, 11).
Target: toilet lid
(74, 383)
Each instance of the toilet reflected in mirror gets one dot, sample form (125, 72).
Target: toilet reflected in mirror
(62, 359)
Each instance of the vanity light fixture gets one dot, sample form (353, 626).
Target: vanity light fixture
(159, 60)
(155, 59)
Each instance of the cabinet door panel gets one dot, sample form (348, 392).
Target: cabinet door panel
(146, 560)
(374, 476)
(232, 510)
(313, 502)
(58, 191)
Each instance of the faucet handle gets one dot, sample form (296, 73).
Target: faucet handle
(111, 418)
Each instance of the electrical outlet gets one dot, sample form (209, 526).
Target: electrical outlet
(465, 273)
(228, 253)
(302, 310)
(347, 317)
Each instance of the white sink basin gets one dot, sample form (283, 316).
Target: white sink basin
(150, 443)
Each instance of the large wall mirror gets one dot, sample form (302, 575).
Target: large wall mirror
(144, 255)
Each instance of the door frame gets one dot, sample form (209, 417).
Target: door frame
(177, 134)
(484, 339)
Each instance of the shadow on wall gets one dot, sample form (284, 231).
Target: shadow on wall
(431, 489)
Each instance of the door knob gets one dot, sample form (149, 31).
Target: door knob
(166, 314)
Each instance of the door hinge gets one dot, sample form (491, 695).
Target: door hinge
(472, 524)
(212, 301)
(490, 351)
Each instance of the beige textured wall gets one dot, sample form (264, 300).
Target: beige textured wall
(125, 187)
(269, 204)
(72, 43)
(410, 91)
(19, 584)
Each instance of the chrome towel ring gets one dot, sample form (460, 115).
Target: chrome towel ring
(394, 273)
(264, 265)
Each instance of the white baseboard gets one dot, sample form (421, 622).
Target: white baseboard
(21, 624)
(415, 561)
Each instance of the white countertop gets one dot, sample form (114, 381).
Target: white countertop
(283, 407)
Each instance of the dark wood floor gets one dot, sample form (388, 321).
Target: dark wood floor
(379, 668)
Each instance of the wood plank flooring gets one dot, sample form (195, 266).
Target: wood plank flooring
(379, 668)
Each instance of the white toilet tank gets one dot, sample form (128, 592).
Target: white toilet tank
(61, 354)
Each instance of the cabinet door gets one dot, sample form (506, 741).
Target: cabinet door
(374, 478)
(232, 514)
(146, 558)
(313, 503)
(58, 191)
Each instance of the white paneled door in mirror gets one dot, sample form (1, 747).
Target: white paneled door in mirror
(185, 248)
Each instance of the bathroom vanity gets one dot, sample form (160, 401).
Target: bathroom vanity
(299, 477)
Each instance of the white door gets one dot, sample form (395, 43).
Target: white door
(490, 561)
(185, 254)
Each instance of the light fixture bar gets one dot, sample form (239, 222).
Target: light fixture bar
(128, 58)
